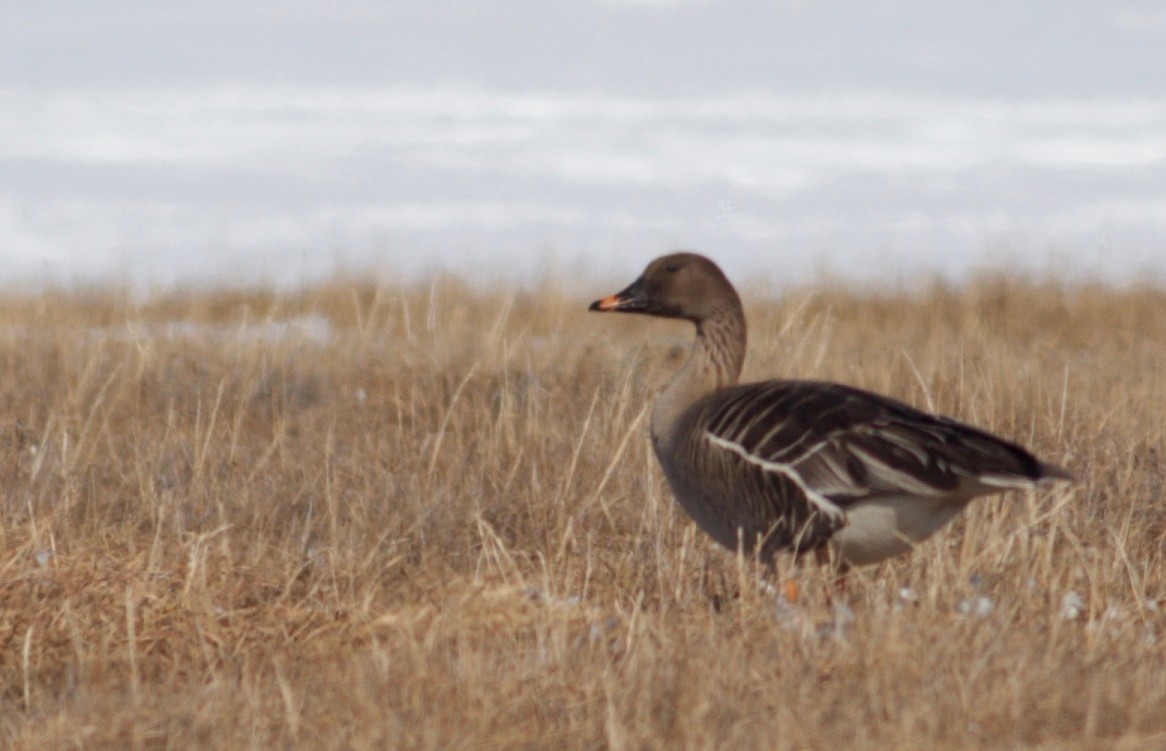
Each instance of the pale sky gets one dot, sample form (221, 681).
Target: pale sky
(1039, 48)
(169, 142)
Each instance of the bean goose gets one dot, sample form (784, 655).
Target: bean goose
(803, 465)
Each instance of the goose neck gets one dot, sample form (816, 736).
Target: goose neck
(715, 362)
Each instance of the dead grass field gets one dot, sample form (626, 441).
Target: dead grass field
(429, 518)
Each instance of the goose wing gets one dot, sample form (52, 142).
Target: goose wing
(840, 445)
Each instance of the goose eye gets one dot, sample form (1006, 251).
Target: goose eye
(671, 268)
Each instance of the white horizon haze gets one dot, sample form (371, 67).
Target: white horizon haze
(164, 144)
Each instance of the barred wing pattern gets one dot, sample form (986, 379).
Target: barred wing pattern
(808, 451)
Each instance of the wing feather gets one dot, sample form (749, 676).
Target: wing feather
(838, 445)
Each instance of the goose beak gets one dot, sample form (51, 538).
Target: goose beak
(630, 300)
(611, 302)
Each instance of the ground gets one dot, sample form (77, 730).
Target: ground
(427, 516)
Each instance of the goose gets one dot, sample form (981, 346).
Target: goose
(803, 466)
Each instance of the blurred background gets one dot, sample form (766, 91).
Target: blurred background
(168, 143)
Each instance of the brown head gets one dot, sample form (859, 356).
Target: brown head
(680, 285)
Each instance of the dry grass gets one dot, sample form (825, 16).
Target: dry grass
(429, 518)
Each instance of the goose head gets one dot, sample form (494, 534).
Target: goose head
(680, 285)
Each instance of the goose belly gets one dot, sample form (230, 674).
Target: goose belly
(708, 509)
(881, 528)
(735, 521)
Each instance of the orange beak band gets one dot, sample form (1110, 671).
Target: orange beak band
(630, 300)
(611, 302)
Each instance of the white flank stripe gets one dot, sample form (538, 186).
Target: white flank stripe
(823, 504)
(1004, 481)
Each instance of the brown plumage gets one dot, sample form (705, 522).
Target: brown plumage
(797, 465)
